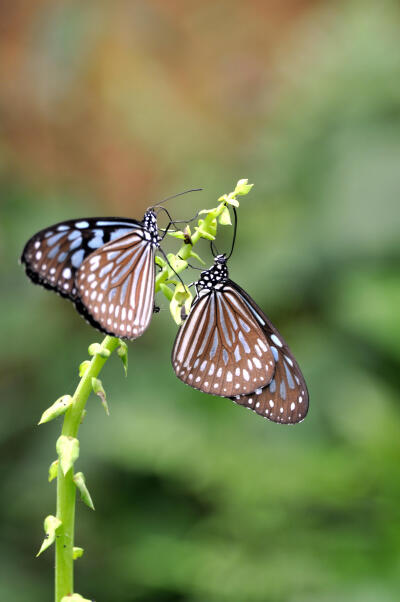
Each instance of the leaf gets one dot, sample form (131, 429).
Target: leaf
(167, 292)
(83, 367)
(160, 261)
(97, 387)
(122, 352)
(80, 483)
(68, 452)
(195, 256)
(204, 233)
(77, 552)
(177, 234)
(182, 299)
(60, 406)
(51, 524)
(225, 217)
(53, 470)
(207, 210)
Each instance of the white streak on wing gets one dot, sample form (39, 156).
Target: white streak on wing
(222, 320)
(137, 271)
(254, 312)
(209, 326)
(275, 339)
(146, 292)
(184, 334)
(119, 271)
(246, 348)
(214, 344)
(231, 316)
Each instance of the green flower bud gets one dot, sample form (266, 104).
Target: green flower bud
(59, 407)
(122, 352)
(97, 387)
(80, 483)
(53, 470)
(51, 524)
(77, 552)
(68, 452)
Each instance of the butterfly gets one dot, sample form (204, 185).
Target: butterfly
(228, 347)
(105, 266)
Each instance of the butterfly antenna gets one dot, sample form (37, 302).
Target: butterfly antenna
(214, 249)
(174, 196)
(174, 222)
(234, 233)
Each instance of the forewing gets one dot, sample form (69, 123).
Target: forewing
(53, 255)
(285, 399)
(220, 348)
(116, 286)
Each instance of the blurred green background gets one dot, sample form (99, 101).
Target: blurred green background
(108, 106)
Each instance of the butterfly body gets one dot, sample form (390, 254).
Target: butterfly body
(261, 371)
(115, 256)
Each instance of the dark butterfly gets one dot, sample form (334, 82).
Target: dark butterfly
(104, 265)
(228, 347)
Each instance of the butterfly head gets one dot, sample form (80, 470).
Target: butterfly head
(215, 276)
(150, 227)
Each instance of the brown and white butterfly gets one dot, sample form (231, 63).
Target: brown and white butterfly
(105, 266)
(228, 347)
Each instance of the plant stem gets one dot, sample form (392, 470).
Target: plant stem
(64, 572)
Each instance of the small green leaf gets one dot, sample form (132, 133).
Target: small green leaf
(59, 407)
(123, 354)
(53, 470)
(166, 291)
(83, 367)
(77, 552)
(68, 452)
(79, 481)
(195, 256)
(160, 261)
(225, 218)
(204, 233)
(97, 349)
(207, 210)
(242, 188)
(181, 300)
(177, 234)
(97, 387)
(75, 598)
(51, 524)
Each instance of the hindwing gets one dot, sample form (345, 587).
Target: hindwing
(285, 399)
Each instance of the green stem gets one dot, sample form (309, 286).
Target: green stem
(64, 571)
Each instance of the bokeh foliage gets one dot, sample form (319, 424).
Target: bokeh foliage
(107, 105)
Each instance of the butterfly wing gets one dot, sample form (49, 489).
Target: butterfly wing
(53, 255)
(285, 399)
(221, 348)
(116, 286)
